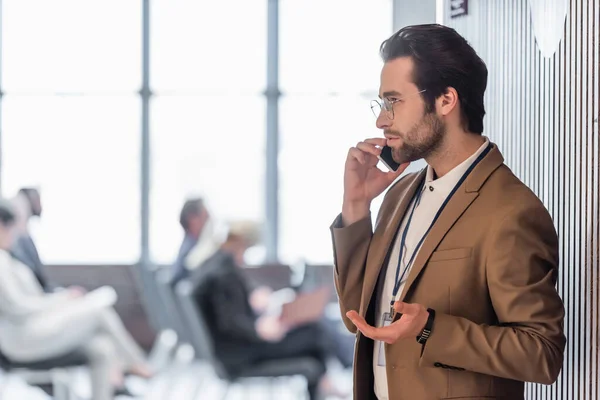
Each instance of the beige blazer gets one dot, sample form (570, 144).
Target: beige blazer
(488, 268)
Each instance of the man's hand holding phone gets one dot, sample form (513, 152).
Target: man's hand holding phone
(363, 181)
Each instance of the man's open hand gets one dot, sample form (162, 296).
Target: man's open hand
(410, 325)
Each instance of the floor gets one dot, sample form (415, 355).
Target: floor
(194, 381)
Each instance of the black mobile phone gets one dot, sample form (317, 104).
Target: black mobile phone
(386, 158)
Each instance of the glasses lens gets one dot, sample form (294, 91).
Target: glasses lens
(376, 108)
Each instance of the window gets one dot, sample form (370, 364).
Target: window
(71, 45)
(212, 146)
(83, 154)
(71, 123)
(71, 72)
(329, 73)
(316, 133)
(208, 70)
(210, 46)
(332, 46)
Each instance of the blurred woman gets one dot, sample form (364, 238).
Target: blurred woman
(37, 326)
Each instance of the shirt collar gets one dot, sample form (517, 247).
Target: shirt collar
(447, 182)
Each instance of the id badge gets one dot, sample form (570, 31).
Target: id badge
(385, 321)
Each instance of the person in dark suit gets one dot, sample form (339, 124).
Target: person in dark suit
(193, 219)
(242, 336)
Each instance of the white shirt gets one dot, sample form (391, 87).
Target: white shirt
(434, 192)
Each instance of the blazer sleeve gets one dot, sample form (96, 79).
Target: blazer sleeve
(350, 248)
(528, 342)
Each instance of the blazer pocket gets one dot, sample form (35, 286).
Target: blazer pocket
(453, 254)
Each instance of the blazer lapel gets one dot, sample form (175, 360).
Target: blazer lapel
(455, 208)
(457, 205)
(382, 240)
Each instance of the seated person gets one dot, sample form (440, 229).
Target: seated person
(194, 219)
(37, 326)
(243, 337)
(27, 204)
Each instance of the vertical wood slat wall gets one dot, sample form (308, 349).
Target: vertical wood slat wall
(543, 113)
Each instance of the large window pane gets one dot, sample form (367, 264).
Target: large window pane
(212, 146)
(332, 45)
(83, 153)
(71, 45)
(209, 45)
(317, 132)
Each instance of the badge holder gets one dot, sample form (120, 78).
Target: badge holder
(386, 320)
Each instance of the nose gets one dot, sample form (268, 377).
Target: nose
(383, 121)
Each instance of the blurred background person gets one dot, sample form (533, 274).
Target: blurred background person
(194, 219)
(243, 336)
(37, 326)
(28, 204)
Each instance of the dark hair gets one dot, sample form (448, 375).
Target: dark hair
(190, 207)
(7, 214)
(30, 193)
(442, 58)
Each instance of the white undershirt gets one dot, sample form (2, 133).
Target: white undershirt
(434, 192)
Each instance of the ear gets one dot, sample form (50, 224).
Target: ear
(447, 102)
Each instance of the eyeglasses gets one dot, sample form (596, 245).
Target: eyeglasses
(387, 105)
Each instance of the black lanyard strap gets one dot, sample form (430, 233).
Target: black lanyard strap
(416, 200)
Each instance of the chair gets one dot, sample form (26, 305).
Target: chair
(203, 344)
(170, 302)
(54, 371)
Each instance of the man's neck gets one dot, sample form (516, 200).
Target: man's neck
(453, 153)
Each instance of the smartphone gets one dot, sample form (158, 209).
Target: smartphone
(386, 158)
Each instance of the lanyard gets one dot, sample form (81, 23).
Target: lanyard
(417, 199)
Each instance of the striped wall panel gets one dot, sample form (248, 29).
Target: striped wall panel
(543, 113)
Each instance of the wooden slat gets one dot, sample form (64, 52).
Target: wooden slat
(543, 113)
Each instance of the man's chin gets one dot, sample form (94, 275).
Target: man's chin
(402, 158)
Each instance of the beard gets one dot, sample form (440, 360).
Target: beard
(422, 140)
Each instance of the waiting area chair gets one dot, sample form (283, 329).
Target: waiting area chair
(54, 372)
(204, 347)
(175, 318)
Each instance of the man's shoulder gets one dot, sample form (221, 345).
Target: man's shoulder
(505, 200)
(504, 188)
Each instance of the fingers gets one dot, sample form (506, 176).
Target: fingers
(388, 334)
(407, 308)
(376, 141)
(400, 329)
(357, 320)
(360, 323)
(369, 148)
(355, 153)
(365, 148)
(363, 156)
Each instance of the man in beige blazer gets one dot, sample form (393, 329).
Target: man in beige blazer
(452, 295)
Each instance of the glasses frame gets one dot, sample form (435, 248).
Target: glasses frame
(387, 105)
